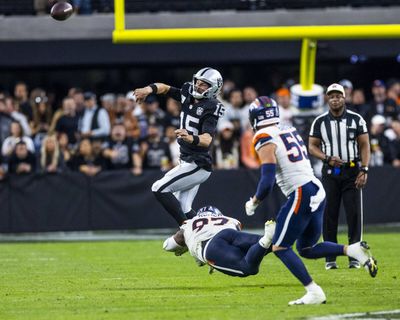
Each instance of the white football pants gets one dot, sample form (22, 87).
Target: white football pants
(183, 181)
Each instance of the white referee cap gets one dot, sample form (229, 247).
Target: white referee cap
(336, 87)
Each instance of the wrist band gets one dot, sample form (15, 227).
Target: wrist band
(196, 140)
(327, 159)
(153, 88)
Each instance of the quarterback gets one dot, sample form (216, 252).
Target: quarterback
(284, 157)
(199, 117)
(216, 240)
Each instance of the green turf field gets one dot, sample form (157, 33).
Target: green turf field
(137, 280)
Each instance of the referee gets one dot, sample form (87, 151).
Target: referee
(339, 137)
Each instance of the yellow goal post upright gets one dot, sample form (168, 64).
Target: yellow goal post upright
(308, 34)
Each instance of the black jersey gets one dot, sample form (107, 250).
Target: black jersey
(197, 117)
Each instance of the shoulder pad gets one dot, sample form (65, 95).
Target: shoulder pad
(265, 135)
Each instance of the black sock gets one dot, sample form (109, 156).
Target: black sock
(190, 214)
(172, 205)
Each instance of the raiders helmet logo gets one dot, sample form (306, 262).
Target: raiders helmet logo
(199, 111)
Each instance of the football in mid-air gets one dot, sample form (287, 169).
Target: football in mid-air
(61, 10)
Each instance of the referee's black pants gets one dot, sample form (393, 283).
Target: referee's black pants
(340, 187)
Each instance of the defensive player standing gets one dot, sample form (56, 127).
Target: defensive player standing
(199, 117)
(284, 156)
(215, 239)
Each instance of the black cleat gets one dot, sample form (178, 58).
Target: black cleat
(372, 266)
(354, 265)
(331, 265)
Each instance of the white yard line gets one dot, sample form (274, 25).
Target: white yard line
(359, 315)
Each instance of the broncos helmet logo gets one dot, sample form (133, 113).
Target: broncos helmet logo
(263, 111)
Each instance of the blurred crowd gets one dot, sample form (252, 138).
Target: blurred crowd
(90, 134)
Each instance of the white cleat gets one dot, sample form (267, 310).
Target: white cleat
(170, 245)
(269, 231)
(361, 252)
(317, 296)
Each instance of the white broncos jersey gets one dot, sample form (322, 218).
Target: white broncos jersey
(293, 167)
(204, 227)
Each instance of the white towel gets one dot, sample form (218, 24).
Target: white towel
(316, 200)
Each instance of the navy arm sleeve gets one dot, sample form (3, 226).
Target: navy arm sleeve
(267, 180)
(174, 93)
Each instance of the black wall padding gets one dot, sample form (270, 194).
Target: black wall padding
(120, 201)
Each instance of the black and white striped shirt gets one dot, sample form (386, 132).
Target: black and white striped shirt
(339, 135)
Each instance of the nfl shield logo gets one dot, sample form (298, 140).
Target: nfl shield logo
(199, 111)
(351, 135)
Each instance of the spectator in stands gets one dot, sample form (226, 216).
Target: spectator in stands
(227, 87)
(132, 127)
(85, 161)
(249, 95)
(21, 96)
(137, 110)
(393, 91)
(117, 112)
(286, 111)
(5, 121)
(359, 105)
(77, 95)
(233, 111)
(120, 152)
(172, 117)
(226, 147)
(155, 116)
(95, 122)
(248, 155)
(17, 135)
(122, 114)
(108, 101)
(21, 160)
(380, 144)
(43, 6)
(348, 90)
(42, 115)
(82, 6)
(65, 149)
(51, 160)
(381, 104)
(12, 109)
(395, 144)
(68, 122)
(156, 153)
(170, 139)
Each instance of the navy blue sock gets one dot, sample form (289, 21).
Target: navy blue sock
(321, 250)
(295, 265)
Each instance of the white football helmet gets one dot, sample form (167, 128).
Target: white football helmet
(210, 76)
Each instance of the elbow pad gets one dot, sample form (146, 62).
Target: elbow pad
(267, 180)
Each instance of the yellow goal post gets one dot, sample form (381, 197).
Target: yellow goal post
(308, 34)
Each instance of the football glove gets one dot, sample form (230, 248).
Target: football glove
(250, 207)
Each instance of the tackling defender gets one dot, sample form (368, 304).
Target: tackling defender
(199, 116)
(284, 156)
(215, 239)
